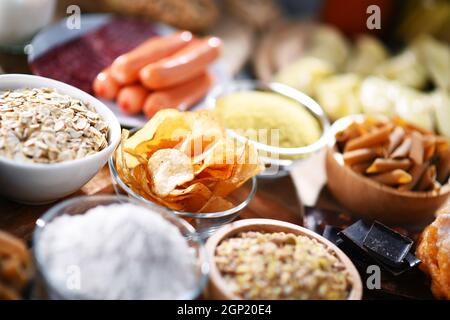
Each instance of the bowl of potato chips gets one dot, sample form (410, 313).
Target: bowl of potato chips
(185, 162)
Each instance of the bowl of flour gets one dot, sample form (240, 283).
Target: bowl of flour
(115, 248)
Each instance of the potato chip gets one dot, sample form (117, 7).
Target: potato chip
(209, 182)
(216, 204)
(248, 164)
(221, 156)
(147, 133)
(141, 159)
(147, 148)
(221, 173)
(197, 188)
(196, 146)
(202, 136)
(141, 178)
(204, 122)
(193, 203)
(169, 168)
(120, 160)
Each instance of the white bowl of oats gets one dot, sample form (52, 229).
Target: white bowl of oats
(53, 138)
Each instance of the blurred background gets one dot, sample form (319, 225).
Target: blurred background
(353, 56)
(250, 22)
(401, 20)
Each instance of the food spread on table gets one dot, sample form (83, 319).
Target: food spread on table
(201, 113)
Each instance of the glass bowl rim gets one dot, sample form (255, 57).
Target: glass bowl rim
(311, 105)
(229, 212)
(53, 212)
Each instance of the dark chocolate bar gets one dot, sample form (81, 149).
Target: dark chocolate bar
(355, 234)
(332, 233)
(375, 244)
(386, 244)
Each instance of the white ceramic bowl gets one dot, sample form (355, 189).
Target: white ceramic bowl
(43, 183)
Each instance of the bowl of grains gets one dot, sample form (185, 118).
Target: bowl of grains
(53, 138)
(270, 259)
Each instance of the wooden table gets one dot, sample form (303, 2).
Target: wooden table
(275, 199)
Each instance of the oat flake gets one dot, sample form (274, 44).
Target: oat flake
(43, 126)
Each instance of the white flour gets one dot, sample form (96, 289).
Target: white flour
(120, 251)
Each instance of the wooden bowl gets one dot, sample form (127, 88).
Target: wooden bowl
(217, 288)
(367, 198)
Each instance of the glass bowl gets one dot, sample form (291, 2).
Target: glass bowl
(80, 205)
(204, 223)
(276, 158)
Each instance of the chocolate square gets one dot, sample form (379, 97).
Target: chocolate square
(386, 244)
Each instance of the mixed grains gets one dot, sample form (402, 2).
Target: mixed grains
(43, 126)
(281, 265)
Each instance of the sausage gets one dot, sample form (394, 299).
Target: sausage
(131, 98)
(181, 97)
(184, 65)
(105, 86)
(125, 69)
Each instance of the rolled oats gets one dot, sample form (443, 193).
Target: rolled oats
(43, 126)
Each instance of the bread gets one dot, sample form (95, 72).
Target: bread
(238, 41)
(194, 15)
(257, 13)
(279, 46)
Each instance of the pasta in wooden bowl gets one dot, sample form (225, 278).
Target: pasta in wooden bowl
(387, 169)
